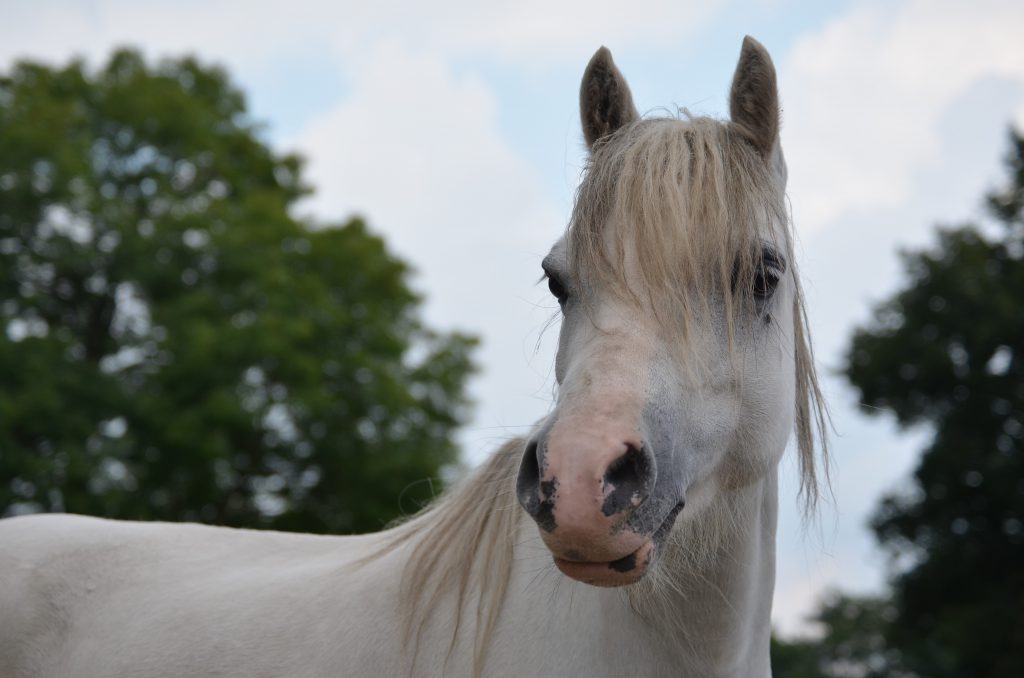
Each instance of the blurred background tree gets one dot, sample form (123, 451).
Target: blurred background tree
(946, 352)
(175, 345)
(852, 643)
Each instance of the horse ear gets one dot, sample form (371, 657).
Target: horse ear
(754, 101)
(605, 101)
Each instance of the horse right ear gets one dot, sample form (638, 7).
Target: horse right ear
(605, 101)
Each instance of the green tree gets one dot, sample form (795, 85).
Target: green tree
(173, 343)
(946, 352)
(796, 658)
(852, 643)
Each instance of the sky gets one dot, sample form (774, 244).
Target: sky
(452, 127)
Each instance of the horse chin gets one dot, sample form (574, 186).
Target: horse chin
(622, 572)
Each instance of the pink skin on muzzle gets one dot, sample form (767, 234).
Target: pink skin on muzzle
(587, 543)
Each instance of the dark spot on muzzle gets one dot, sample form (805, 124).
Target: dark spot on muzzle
(632, 477)
(536, 496)
(545, 512)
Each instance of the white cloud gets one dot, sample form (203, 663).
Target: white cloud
(247, 33)
(864, 96)
(419, 151)
(239, 33)
(531, 30)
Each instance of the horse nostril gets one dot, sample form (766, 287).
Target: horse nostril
(536, 498)
(631, 478)
(529, 471)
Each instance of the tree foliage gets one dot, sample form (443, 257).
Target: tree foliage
(852, 643)
(948, 351)
(173, 343)
(944, 352)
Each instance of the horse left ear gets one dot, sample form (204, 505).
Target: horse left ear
(606, 103)
(754, 101)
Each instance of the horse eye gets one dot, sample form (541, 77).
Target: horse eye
(557, 289)
(764, 283)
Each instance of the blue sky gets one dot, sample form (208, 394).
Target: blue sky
(452, 127)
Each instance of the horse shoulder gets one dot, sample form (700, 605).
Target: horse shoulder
(246, 602)
(35, 579)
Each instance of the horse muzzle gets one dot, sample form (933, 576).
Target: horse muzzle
(589, 489)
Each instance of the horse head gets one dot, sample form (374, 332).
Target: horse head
(681, 361)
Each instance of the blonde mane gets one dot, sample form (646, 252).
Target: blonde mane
(694, 201)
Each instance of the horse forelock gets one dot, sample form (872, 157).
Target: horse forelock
(669, 210)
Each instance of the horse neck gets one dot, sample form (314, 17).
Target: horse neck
(706, 617)
(719, 607)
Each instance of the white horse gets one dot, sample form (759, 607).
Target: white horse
(682, 366)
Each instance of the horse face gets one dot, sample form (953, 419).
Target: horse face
(639, 431)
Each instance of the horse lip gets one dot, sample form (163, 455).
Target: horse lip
(575, 557)
(623, 570)
(620, 572)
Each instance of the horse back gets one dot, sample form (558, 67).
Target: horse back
(90, 597)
